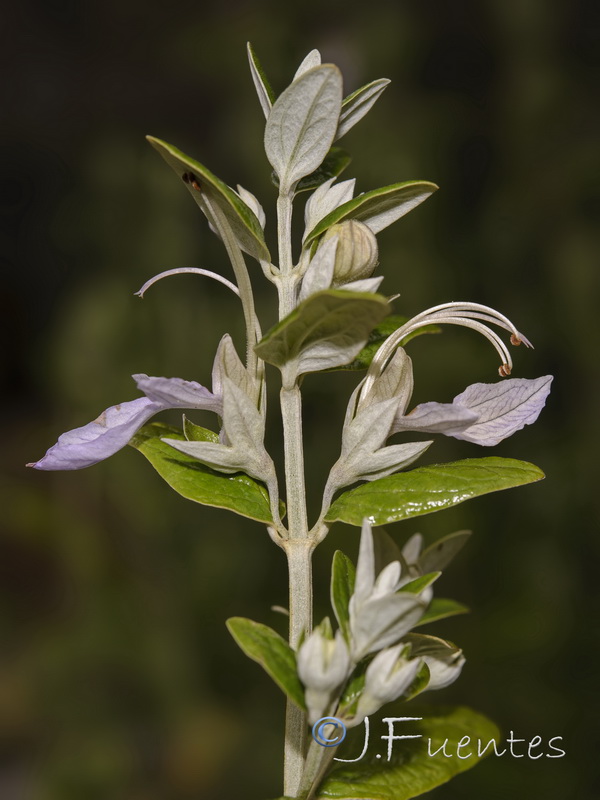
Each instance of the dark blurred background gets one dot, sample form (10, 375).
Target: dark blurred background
(118, 678)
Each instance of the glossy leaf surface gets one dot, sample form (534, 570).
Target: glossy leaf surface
(428, 489)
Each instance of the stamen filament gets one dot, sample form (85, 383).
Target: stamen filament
(182, 270)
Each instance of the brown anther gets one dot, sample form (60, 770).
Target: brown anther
(196, 185)
(514, 339)
(504, 370)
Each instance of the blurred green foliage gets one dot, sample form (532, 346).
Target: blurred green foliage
(117, 676)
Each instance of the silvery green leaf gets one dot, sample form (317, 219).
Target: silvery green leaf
(253, 204)
(243, 423)
(364, 285)
(325, 199)
(439, 554)
(359, 103)
(377, 208)
(302, 124)
(325, 330)
(313, 59)
(266, 96)
(391, 459)
(502, 408)
(319, 273)
(230, 366)
(244, 427)
(369, 429)
(220, 457)
(447, 418)
(396, 380)
(242, 220)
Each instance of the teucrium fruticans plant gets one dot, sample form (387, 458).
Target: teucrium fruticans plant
(331, 316)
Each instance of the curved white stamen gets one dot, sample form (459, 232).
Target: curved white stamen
(466, 306)
(468, 315)
(182, 270)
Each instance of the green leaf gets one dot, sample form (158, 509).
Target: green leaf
(377, 208)
(263, 645)
(440, 608)
(302, 123)
(266, 95)
(334, 163)
(419, 684)
(353, 690)
(378, 336)
(243, 220)
(422, 582)
(193, 480)
(195, 433)
(327, 329)
(343, 573)
(411, 771)
(359, 103)
(428, 489)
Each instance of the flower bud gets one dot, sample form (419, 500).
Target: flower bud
(357, 253)
(388, 677)
(323, 666)
(444, 659)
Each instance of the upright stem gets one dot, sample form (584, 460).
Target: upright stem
(299, 553)
(298, 545)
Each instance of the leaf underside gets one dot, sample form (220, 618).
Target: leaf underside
(325, 321)
(194, 481)
(428, 489)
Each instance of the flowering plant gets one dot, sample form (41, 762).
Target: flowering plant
(331, 316)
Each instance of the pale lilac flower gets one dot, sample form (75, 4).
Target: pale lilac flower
(113, 429)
